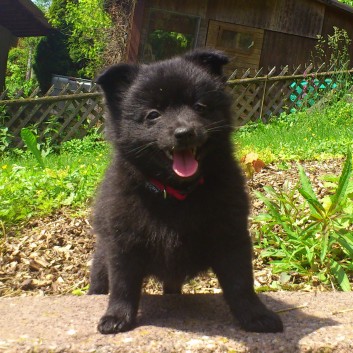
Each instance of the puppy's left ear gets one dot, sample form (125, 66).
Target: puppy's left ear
(209, 59)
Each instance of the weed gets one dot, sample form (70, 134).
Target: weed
(5, 139)
(309, 236)
(30, 140)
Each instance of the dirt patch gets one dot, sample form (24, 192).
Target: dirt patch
(51, 255)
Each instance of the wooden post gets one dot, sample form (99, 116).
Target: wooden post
(263, 99)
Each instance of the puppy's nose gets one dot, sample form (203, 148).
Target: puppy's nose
(184, 133)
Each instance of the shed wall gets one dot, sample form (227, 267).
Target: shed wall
(290, 27)
(285, 49)
(299, 17)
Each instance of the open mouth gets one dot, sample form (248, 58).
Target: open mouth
(185, 162)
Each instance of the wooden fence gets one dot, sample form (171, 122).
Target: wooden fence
(71, 114)
(55, 118)
(258, 96)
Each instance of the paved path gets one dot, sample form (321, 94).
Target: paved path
(171, 324)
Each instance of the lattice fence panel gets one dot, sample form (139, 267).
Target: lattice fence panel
(70, 114)
(257, 96)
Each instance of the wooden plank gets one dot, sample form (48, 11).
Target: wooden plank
(195, 7)
(50, 99)
(98, 116)
(287, 78)
(279, 48)
(298, 17)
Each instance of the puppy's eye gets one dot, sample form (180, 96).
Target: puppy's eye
(200, 107)
(152, 115)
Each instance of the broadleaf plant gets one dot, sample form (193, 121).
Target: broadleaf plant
(299, 234)
(30, 139)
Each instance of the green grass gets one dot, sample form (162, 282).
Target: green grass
(68, 179)
(307, 135)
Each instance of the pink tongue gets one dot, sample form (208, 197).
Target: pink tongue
(184, 163)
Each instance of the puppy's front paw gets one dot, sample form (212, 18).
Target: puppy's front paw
(110, 324)
(266, 321)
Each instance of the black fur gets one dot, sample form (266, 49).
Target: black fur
(172, 105)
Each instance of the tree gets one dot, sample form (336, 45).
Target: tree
(19, 68)
(52, 57)
(88, 34)
(78, 46)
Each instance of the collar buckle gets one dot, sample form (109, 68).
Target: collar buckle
(157, 187)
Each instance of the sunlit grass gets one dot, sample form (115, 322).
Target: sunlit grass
(308, 135)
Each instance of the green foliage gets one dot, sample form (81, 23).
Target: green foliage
(76, 49)
(348, 2)
(166, 44)
(309, 236)
(18, 75)
(92, 142)
(333, 50)
(88, 34)
(5, 139)
(80, 291)
(30, 140)
(68, 179)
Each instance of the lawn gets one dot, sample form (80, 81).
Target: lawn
(308, 135)
(68, 179)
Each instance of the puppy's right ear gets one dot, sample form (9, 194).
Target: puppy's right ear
(211, 60)
(117, 78)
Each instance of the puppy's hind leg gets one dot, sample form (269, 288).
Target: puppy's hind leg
(233, 268)
(99, 283)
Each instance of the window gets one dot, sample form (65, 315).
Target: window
(232, 40)
(169, 34)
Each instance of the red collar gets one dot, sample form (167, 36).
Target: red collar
(157, 187)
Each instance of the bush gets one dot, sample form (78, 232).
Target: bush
(91, 142)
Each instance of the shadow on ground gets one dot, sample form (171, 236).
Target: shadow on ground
(208, 315)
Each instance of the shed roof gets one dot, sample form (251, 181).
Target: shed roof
(23, 19)
(338, 5)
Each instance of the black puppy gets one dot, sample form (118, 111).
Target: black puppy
(173, 201)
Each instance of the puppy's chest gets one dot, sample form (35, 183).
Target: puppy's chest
(174, 252)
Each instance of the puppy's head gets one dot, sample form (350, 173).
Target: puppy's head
(167, 117)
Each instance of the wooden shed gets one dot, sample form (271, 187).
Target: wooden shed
(18, 18)
(254, 33)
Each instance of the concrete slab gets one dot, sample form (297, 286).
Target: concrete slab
(321, 322)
